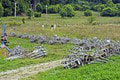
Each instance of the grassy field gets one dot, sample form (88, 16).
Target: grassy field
(77, 26)
(55, 52)
(107, 71)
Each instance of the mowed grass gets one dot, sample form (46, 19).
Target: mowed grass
(99, 71)
(106, 27)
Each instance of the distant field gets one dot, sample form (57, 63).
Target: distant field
(78, 26)
(107, 71)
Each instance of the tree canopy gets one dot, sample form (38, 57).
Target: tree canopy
(39, 5)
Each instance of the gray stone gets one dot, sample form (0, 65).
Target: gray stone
(33, 39)
(42, 39)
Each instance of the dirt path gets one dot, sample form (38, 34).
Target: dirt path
(28, 71)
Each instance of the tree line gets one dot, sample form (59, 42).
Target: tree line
(66, 8)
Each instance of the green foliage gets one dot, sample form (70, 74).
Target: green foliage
(37, 14)
(88, 13)
(91, 19)
(14, 23)
(77, 7)
(67, 11)
(1, 10)
(118, 5)
(23, 20)
(116, 1)
(70, 10)
(84, 7)
(39, 7)
(63, 13)
(118, 13)
(53, 9)
(22, 6)
(29, 13)
(98, 7)
(7, 7)
(98, 1)
(8, 12)
(108, 12)
(110, 4)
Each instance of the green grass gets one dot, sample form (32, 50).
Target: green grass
(68, 27)
(71, 27)
(55, 52)
(107, 71)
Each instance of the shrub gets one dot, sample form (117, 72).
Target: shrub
(109, 12)
(63, 13)
(91, 19)
(67, 11)
(23, 20)
(77, 7)
(21, 7)
(98, 7)
(59, 6)
(1, 10)
(84, 7)
(70, 11)
(37, 14)
(7, 12)
(53, 9)
(118, 13)
(43, 9)
(88, 13)
(39, 7)
(29, 13)
(118, 5)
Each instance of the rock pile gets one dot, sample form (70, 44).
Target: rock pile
(42, 39)
(57, 39)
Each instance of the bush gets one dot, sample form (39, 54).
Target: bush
(118, 6)
(53, 9)
(109, 12)
(29, 13)
(91, 19)
(77, 7)
(67, 11)
(39, 7)
(1, 10)
(70, 11)
(21, 7)
(63, 13)
(84, 7)
(98, 7)
(7, 12)
(37, 14)
(88, 13)
(118, 13)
